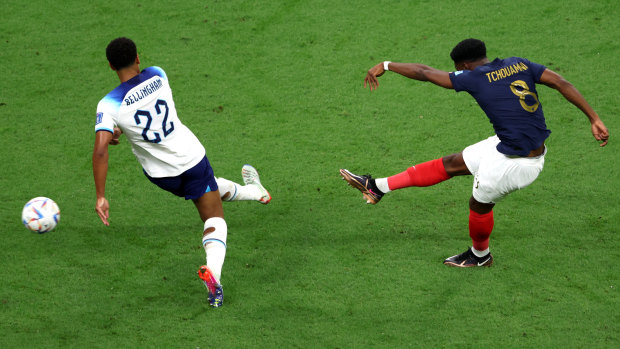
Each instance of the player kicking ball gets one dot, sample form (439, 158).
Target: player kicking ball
(512, 159)
(172, 158)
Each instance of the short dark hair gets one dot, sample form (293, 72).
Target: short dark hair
(468, 50)
(121, 53)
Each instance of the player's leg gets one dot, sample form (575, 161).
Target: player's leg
(495, 176)
(200, 186)
(209, 205)
(426, 174)
(215, 230)
(480, 227)
(421, 175)
(214, 236)
(478, 158)
(252, 190)
(231, 191)
(481, 224)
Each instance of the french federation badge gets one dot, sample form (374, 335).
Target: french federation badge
(99, 118)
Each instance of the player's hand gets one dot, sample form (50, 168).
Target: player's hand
(116, 136)
(600, 132)
(372, 75)
(103, 210)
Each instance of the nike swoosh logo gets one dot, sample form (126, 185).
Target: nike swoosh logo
(480, 264)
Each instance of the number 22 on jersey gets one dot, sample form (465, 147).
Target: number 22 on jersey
(161, 107)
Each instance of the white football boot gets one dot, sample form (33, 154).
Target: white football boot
(250, 177)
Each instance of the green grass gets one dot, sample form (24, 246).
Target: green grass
(278, 84)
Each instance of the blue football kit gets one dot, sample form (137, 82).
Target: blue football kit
(505, 89)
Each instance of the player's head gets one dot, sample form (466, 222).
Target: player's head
(121, 53)
(468, 51)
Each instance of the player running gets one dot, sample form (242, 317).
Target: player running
(505, 89)
(143, 109)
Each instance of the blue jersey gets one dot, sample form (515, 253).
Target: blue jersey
(506, 90)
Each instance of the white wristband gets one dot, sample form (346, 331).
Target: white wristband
(385, 65)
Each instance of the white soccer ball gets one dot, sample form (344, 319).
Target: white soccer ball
(41, 215)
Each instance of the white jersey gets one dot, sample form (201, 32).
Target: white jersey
(143, 109)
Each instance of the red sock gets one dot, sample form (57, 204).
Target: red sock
(420, 175)
(480, 228)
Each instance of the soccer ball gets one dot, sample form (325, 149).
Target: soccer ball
(40, 215)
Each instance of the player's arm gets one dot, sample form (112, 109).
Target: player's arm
(100, 172)
(414, 71)
(556, 81)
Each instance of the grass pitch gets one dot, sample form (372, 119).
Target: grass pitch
(278, 85)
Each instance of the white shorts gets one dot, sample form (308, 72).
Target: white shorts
(496, 174)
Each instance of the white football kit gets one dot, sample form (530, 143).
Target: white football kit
(144, 110)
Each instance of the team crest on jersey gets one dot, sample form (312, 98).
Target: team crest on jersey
(99, 118)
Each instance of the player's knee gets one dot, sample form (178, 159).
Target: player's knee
(216, 229)
(455, 165)
(228, 189)
(480, 207)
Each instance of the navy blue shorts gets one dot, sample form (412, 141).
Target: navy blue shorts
(191, 184)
